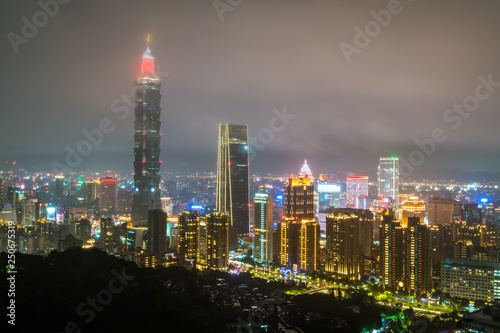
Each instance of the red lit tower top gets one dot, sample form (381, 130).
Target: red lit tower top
(148, 64)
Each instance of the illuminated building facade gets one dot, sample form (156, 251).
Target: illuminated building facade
(146, 142)
(418, 269)
(263, 227)
(309, 245)
(471, 279)
(107, 194)
(289, 231)
(233, 190)
(217, 239)
(391, 253)
(342, 243)
(388, 178)
(299, 231)
(355, 186)
(328, 195)
(305, 171)
(188, 239)
(412, 207)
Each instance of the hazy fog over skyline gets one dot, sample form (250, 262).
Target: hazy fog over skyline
(264, 55)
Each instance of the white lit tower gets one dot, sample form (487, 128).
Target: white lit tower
(388, 178)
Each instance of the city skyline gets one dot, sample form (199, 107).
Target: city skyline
(263, 166)
(385, 121)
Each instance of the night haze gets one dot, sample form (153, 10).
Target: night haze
(262, 56)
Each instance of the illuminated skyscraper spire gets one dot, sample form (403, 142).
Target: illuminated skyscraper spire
(305, 171)
(147, 141)
(148, 64)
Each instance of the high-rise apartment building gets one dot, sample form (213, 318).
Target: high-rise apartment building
(405, 262)
(233, 191)
(263, 227)
(391, 253)
(299, 244)
(188, 239)
(388, 178)
(217, 239)
(289, 233)
(418, 269)
(309, 245)
(146, 142)
(342, 243)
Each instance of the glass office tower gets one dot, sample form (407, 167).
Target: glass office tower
(388, 178)
(232, 179)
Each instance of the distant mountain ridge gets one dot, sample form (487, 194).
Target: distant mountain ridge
(454, 174)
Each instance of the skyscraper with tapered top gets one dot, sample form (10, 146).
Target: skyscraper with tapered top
(147, 141)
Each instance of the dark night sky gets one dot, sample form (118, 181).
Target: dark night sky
(265, 54)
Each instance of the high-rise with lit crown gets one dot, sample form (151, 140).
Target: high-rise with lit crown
(108, 195)
(299, 198)
(147, 141)
(298, 230)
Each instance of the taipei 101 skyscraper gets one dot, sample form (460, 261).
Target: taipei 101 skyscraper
(147, 141)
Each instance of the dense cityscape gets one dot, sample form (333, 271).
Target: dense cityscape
(309, 248)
